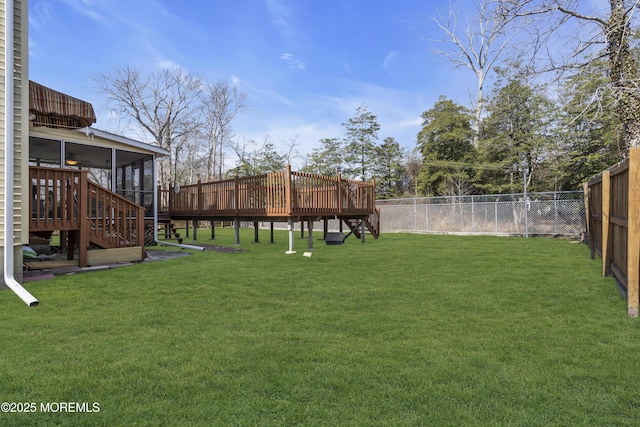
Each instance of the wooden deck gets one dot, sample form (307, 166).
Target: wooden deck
(88, 216)
(274, 197)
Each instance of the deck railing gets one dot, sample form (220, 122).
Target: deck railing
(279, 194)
(64, 200)
(54, 198)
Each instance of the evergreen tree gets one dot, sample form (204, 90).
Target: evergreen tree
(516, 136)
(360, 141)
(327, 160)
(388, 169)
(264, 160)
(446, 145)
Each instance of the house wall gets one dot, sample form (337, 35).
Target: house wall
(21, 200)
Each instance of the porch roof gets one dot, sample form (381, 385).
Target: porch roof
(48, 107)
(132, 143)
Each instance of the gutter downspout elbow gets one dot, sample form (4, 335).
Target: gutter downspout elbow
(9, 278)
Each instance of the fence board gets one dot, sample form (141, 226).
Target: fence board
(633, 256)
(613, 204)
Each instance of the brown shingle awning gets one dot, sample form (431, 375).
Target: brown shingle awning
(57, 110)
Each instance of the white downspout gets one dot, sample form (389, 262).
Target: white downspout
(155, 216)
(9, 278)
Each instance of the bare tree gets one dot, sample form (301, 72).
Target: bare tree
(222, 102)
(457, 183)
(292, 152)
(478, 49)
(193, 163)
(413, 166)
(547, 19)
(164, 103)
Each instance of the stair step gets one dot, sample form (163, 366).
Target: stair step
(168, 231)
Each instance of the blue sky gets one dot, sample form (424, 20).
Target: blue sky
(306, 65)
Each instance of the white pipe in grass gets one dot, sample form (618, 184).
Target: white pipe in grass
(183, 246)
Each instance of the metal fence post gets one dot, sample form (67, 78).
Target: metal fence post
(473, 217)
(555, 211)
(526, 207)
(426, 216)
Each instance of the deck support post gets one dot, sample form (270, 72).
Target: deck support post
(325, 229)
(362, 228)
(213, 230)
(186, 226)
(302, 228)
(83, 238)
(310, 238)
(291, 238)
(272, 241)
(236, 227)
(195, 229)
(255, 232)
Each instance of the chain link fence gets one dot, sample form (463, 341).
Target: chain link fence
(555, 214)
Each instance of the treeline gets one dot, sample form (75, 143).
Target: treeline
(555, 143)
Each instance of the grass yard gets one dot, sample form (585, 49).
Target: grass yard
(408, 330)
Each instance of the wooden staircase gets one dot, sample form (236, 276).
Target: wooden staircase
(86, 214)
(372, 223)
(168, 230)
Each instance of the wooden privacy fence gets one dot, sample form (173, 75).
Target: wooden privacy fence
(612, 201)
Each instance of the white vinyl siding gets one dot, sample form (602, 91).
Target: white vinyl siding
(20, 190)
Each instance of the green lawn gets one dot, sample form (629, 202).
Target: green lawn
(407, 330)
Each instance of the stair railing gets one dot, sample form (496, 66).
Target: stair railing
(115, 221)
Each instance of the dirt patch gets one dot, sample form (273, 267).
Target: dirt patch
(221, 248)
(159, 255)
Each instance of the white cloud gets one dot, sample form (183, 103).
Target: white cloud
(311, 117)
(167, 64)
(292, 62)
(389, 61)
(87, 9)
(261, 95)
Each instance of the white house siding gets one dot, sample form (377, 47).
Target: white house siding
(21, 167)
(21, 175)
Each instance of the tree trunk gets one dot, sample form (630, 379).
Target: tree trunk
(624, 73)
